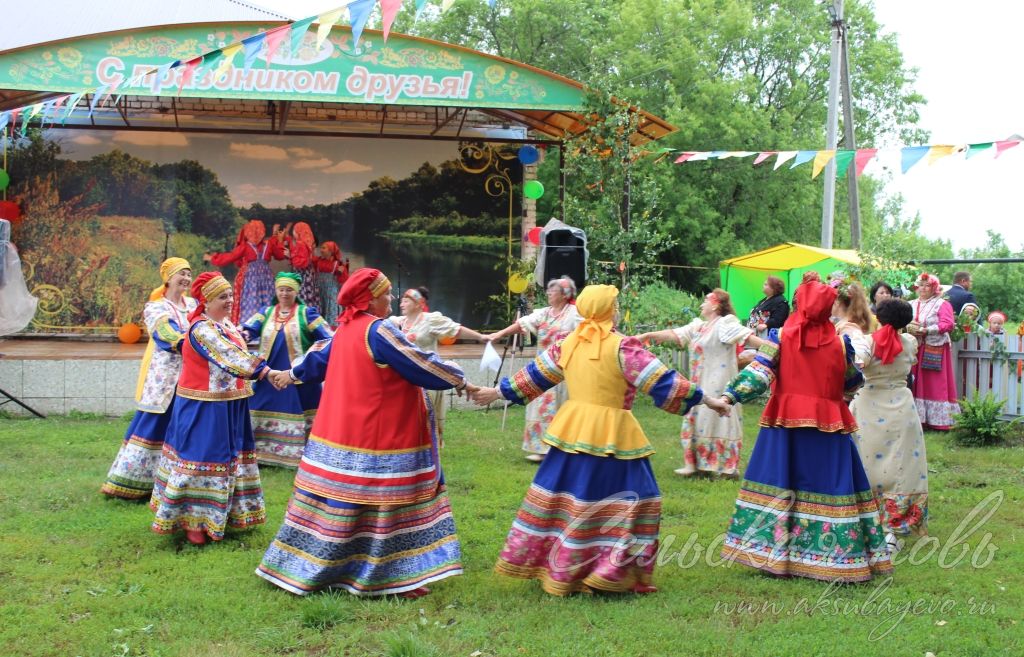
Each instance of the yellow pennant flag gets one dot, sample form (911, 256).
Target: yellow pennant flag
(446, 5)
(820, 160)
(939, 152)
(227, 56)
(326, 22)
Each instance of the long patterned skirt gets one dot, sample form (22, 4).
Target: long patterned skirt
(706, 447)
(805, 509)
(208, 479)
(327, 286)
(309, 291)
(257, 290)
(587, 523)
(935, 392)
(281, 420)
(539, 414)
(131, 475)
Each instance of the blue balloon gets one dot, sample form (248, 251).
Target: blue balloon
(528, 154)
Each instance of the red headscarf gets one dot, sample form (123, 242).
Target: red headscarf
(330, 250)
(206, 286)
(810, 323)
(253, 231)
(304, 234)
(888, 344)
(361, 288)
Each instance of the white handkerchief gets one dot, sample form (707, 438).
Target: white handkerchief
(490, 360)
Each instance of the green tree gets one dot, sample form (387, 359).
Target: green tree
(997, 285)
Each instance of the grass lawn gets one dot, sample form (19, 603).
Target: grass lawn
(83, 575)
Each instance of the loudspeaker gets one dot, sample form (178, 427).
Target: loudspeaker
(565, 255)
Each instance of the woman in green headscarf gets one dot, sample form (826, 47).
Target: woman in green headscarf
(281, 419)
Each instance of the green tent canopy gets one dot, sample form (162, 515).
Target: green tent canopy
(743, 276)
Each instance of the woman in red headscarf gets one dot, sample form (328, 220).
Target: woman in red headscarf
(254, 282)
(301, 245)
(805, 506)
(934, 385)
(207, 479)
(890, 438)
(369, 512)
(332, 272)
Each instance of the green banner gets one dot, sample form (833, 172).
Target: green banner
(403, 71)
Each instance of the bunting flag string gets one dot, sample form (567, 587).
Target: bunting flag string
(909, 156)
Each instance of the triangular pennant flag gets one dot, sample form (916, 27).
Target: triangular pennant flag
(762, 156)
(938, 152)
(96, 96)
(32, 111)
(684, 157)
(227, 56)
(1006, 145)
(274, 39)
(252, 45)
(44, 114)
(911, 155)
(388, 10)
(700, 156)
(358, 14)
(161, 73)
(783, 157)
(715, 155)
(737, 154)
(73, 101)
(843, 159)
(864, 155)
(821, 158)
(974, 149)
(803, 157)
(213, 60)
(446, 5)
(491, 3)
(419, 6)
(325, 23)
(5, 117)
(299, 29)
(188, 73)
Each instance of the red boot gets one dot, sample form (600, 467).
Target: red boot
(643, 589)
(196, 536)
(415, 593)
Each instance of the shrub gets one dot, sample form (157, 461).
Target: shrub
(979, 423)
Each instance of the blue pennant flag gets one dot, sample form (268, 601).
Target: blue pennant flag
(358, 14)
(802, 157)
(252, 46)
(912, 155)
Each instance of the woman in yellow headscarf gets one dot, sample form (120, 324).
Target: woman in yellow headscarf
(598, 468)
(166, 319)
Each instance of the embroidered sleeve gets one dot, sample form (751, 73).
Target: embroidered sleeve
(535, 378)
(313, 366)
(211, 343)
(163, 327)
(730, 331)
(253, 326)
(853, 378)
(531, 323)
(317, 326)
(686, 334)
(389, 346)
(440, 326)
(755, 379)
(671, 391)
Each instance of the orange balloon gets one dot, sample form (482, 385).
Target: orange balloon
(447, 341)
(129, 333)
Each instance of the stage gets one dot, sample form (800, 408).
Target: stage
(56, 376)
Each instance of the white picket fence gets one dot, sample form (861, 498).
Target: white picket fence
(977, 373)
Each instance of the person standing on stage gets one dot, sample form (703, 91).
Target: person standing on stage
(369, 513)
(301, 246)
(550, 324)
(331, 274)
(166, 319)
(254, 282)
(281, 419)
(207, 479)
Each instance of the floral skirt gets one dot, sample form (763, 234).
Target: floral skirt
(587, 523)
(539, 414)
(705, 452)
(257, 290)
(805, 509)
(131, 475)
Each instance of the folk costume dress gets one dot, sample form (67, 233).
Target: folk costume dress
(424, 331)
(805, 507)
(331, 274)
(301, 246)
(934, 385)
(597, 472)
(208, 479)
(369, 513)
(131, 475)
(254, 282)
(550, 327)
(712, 443)
(281, 419)
(890, 437)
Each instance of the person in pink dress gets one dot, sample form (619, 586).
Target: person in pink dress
(934, 386)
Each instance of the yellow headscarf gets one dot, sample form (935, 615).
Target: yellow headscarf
(597, 306)
(168, 268)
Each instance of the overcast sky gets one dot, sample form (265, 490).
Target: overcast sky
(969, 70)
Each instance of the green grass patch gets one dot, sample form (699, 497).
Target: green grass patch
(83, 575)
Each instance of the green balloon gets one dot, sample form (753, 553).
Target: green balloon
(533, 189)
(5, 180)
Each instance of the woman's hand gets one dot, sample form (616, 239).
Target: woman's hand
(718, 405)
(484, 396)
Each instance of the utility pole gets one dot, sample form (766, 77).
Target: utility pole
(835, 11)
(849, 141)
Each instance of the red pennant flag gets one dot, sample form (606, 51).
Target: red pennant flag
(388, 11)
(761, 157)
(188, 72)
(864, 155)
(1005, 145)
(274, 39)
(684, 157)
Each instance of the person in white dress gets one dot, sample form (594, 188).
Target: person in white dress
(424, 329)
(711, 443)
(550, 324)
(890, 438)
